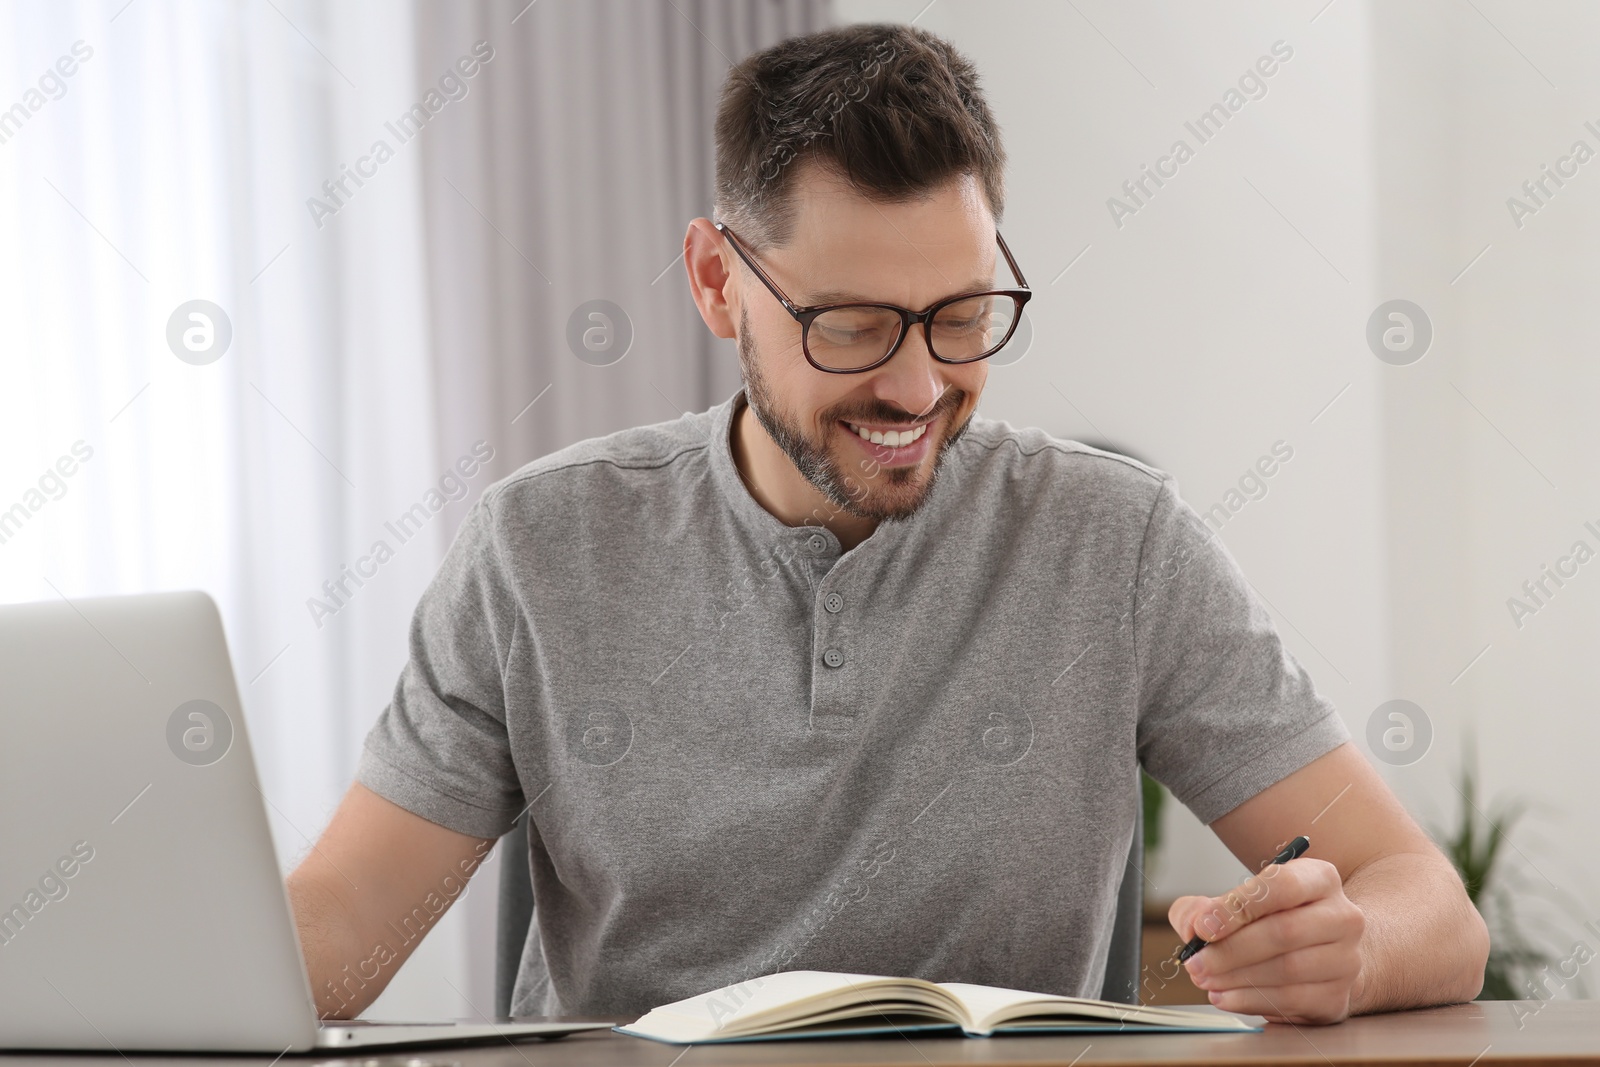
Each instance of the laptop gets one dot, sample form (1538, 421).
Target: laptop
(141, 904)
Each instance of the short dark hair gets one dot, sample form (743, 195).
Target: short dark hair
(893, 109)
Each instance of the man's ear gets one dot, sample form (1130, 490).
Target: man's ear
(704, 252)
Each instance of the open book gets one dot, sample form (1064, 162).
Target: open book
(792, 1004)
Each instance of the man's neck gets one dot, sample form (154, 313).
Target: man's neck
(782, 490)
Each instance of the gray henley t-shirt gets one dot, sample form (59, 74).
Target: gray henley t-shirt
(746, 751)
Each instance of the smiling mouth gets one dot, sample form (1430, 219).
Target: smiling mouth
(891, 438)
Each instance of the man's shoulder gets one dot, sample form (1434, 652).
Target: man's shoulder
(637, 456)
(1030, 459)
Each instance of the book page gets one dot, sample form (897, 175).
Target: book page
(992, 1006)
(985, 1004)
(777, 1000)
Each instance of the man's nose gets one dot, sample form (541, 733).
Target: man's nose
(913, 380)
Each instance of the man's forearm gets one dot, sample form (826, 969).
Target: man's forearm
(327, 940)
(376, 882)
(1424, 943)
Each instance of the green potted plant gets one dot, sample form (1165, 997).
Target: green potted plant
(1154, 795)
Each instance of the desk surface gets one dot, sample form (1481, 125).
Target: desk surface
(1486, 1032)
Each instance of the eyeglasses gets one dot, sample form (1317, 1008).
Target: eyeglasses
(850, 338)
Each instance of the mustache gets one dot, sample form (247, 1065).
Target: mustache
(949, 401)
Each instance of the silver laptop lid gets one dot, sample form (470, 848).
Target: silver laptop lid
(141, 905)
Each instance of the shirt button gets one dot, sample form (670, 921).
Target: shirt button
(817, 543)
(833, 657)
(833, 602)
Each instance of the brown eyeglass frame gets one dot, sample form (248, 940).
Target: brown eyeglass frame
(805, 315)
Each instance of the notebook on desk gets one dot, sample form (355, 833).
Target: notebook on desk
(801, 1004)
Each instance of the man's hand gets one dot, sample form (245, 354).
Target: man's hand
(1285, 945)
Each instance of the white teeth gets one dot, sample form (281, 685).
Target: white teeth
(892, 439)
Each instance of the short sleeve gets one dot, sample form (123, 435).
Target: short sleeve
(1224, 710)
(441, 749)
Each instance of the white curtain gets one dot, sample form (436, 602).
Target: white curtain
(174, 167)
(392, 313)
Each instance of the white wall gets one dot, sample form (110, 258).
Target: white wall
(1492, 436)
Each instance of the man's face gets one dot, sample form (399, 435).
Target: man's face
(846, 248)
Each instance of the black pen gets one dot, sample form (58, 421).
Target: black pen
(1293, 850)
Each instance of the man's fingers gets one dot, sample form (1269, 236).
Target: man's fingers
(1284, 944)
(1278, 887)
(1318, 1003)
(1184, 911)
(1326, 921)
(1301, 966)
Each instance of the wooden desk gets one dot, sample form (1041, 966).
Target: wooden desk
(1486, 1032)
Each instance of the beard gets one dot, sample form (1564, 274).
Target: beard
(893, 493)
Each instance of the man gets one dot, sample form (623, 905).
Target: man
(839, 675)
